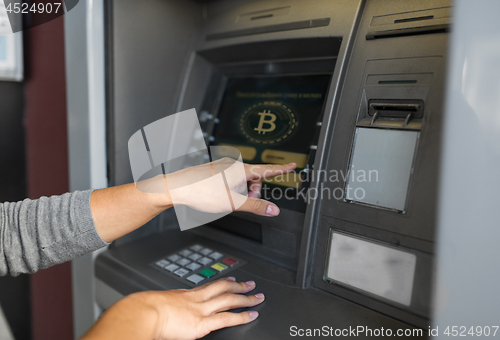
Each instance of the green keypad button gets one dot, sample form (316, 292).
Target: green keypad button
(207, 272)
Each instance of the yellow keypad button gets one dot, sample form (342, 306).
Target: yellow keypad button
(219, 267)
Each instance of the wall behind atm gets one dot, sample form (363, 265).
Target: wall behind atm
(14, 291)
(47, 168)
(35, 154)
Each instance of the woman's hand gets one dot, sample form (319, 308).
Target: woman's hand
(177, 314)
(218, 186)
(119, 210)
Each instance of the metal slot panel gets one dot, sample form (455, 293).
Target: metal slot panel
(271, 28)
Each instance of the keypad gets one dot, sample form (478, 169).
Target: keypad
(197, 264)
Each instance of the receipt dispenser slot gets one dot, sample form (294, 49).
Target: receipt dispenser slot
(383, 153)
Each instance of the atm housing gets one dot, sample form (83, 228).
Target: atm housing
(382, 109)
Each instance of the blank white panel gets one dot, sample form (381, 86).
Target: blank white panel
(379, 270)
(381, 167)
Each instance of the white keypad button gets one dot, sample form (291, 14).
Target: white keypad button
(195, 278)
(171, 267)
(193, 266)
(174, 257)
(206, 251)
(215, 255)
(204, 261)
(181, 272)
(195, 257)
(162, 263)
(196, 247)
(185, 252)
(183, 262)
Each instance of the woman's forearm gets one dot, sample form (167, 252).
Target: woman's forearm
(120, 210)
(128, 319)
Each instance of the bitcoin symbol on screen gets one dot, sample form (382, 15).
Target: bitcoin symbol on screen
(260, 129)
(268, 123)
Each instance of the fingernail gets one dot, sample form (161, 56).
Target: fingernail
(250, 283)
(254, 194)
(259, 296)
(272, 210)
(253, 314)
(231, 278)
(292, 163)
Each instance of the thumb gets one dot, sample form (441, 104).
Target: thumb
(259, 207)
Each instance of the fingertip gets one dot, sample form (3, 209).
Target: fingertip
(231, 278)
(253, 314)
(272, 210)
(260, 296)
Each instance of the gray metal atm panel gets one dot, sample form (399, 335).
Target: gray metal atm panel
(407, 64)
(418, 55)
(148, 46)
(278, 19)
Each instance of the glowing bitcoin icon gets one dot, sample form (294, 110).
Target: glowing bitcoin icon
(268, 122)
(263, 121)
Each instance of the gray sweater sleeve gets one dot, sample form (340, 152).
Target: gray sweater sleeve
(36, 234)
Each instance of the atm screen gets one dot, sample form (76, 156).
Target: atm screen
(272, 119)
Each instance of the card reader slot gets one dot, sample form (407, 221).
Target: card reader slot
(396, 109)
(420, 18)
(404, 32)
(394, 114)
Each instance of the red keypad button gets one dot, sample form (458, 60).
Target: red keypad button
(229, 261)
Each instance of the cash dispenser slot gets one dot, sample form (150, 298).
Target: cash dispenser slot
(383, 153)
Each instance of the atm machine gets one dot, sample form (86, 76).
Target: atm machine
(354, 91)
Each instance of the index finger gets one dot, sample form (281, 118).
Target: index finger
(259, 171)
